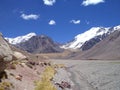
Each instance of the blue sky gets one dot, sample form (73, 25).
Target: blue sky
(59, 19)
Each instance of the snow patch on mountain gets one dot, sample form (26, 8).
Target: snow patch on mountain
(80, 39)
(117, 27)
(20, 39)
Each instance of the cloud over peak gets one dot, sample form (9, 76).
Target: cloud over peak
(92, 2)
(75, 21)
(52, 22)
(49, 2)
(29, 17)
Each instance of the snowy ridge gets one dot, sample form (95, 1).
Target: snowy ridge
(20, 39)
(117, 27)
(80, 39)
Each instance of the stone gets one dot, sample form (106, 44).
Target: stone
(6, 53)
(19, 55)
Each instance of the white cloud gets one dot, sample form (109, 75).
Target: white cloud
(75, 21)
(92, 2)
(49, 2)
(52, 22)
(29, 17)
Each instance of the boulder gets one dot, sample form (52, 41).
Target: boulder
(18, 55)
(6, 53)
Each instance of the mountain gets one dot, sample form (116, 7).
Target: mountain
(20, 39)
(89, 38)
(109, 48)
(43, 44)
(35, 44)
(39, 44)
(19, 68)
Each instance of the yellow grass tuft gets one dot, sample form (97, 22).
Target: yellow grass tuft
(45, 83)
(5, 85)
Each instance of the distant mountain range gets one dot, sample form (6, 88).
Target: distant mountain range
(43, 44)
(89, 38)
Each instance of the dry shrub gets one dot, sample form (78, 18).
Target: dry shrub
(45, 83)
(6, 86)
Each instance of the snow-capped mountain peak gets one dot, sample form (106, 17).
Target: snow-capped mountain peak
(117, 27)
(80, 39)
(20, 39)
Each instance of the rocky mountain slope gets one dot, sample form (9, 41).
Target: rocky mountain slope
(20, 39)
(18, 69)
(35, 44)
(89, 38)
(20, 72)
(109, 48)
(39, 44)
(6, 54)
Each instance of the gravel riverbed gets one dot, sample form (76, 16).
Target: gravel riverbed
(89, 74)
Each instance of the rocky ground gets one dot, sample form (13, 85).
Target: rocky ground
(23, 76)
(89, 75)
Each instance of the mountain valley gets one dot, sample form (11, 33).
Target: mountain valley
(36, 62)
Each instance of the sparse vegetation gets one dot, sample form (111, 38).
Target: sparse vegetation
(6, 86)
(13, 64)
(59, 66)
(45, 82)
